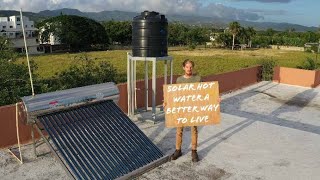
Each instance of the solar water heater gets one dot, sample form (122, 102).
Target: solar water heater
(89, 134)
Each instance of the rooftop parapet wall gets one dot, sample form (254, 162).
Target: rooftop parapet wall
(299, 77)
(227, 82)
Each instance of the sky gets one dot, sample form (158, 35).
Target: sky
(304, 12)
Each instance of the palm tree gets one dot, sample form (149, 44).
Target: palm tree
(250, 33)
(234, 28)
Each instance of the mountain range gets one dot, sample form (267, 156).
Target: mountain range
(215, 22)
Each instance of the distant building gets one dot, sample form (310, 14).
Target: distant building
(50, 42)
(213, 36)
(52, 39)
(11, 27)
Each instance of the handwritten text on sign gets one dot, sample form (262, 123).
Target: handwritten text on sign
(192, 104)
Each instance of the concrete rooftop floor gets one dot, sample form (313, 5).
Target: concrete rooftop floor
(267, 131)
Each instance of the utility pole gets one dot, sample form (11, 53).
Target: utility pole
(27, 54)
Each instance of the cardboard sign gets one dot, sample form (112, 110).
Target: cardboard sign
(192, 104)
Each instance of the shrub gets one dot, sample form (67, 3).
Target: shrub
(308, 50)
(309, 64)
(14, 82)
(192, 46)
(267, 69)
(14, 78)
(86, 72)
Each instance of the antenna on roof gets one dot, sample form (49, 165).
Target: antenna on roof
(25, 46)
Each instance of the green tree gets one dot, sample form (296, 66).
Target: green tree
(251, 32)
(6, 52)
(242, 35)
(234, 28)
(225, 39)
(119, 32)
(14, 78)
(14, 82)
(79, 32)
(197, 35)
(288, 37)
(270, 32)
(177, 34)
(310, 37)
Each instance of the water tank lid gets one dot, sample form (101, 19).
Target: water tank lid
(150, 16)
(148, 13)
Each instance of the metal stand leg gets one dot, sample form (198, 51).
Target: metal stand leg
(165, 71)
(132, 86)
(171, 70)
(154, 93)
(146, 84)
(33, 142)
(135, 84)
(129, 85)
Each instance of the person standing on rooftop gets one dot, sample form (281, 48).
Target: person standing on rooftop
(188, 77)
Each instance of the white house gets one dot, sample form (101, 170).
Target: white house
(52, 39)
(11, 27)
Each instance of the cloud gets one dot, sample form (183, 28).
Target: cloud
(100, 5)
(265, 12)
(268, 1)
(222, 11)
(185, 7)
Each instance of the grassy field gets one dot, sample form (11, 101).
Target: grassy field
(208, 61)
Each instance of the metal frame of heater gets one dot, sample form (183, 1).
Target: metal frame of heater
(132, 79)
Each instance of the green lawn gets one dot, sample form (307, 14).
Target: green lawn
(208, 61)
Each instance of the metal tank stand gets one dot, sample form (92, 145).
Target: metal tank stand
(132, 78)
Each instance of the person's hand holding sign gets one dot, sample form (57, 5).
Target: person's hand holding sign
(164, 105)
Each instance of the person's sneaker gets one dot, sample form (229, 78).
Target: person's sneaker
(195, 157)
(176, 154)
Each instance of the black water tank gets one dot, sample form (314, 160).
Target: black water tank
(150, 35)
